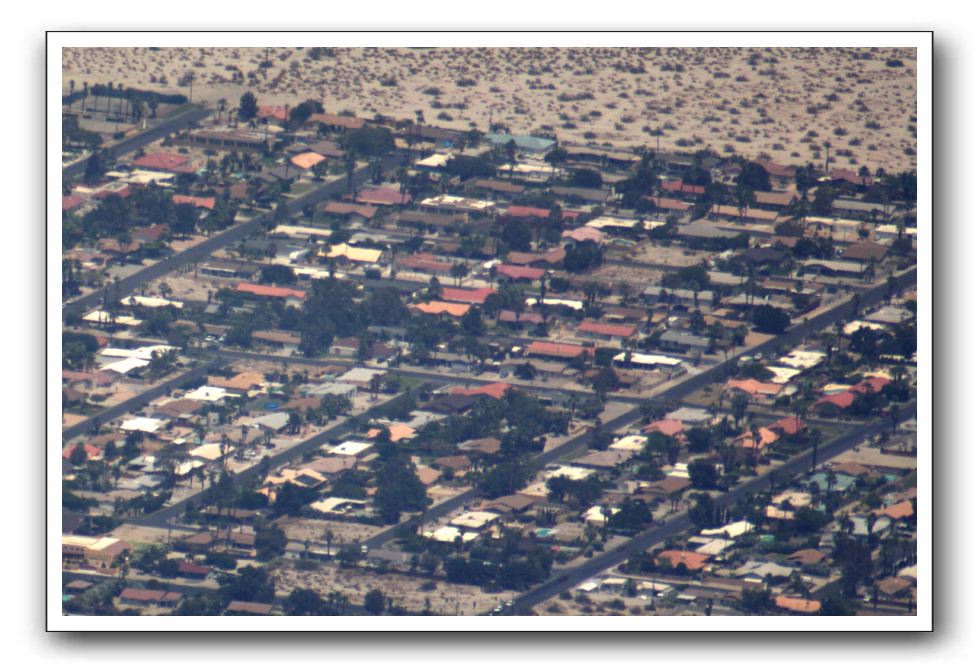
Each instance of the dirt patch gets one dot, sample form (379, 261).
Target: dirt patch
(409, 591)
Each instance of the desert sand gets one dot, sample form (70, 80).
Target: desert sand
(780, 103)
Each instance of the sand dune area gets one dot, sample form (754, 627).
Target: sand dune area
(786, 104)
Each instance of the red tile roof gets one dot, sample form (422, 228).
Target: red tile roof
(679, 186)
(438, 308)
(780, 198)
(897, 511)
(792, 604)
(518, 272)
(693, 561)
(274, 112)
(562, 350)
(162, 161)
(776, 170)
(790, 425)
(91, 452)
(520, 211)
(531, 317)
(196, 201)
(602, 329)
(669, 203)
(842, 400)
(343, 209)
(466, 295)
(269, 291)
(383, 196)
(424, 262)
(669, 427)
(495, 390)
(69, 203)
(872, 385)
(151, 233)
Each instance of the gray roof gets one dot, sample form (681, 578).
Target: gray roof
(532, 143)
(705, 229)
(683, 338)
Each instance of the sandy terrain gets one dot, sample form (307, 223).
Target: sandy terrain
(780, 102)
(307, 529)
(444, 598)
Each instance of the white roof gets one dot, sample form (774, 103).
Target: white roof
(434, 161)
(207, 393)
(125, 365)
(449, 534)
(474, 519)
(102, 317)
(142, 424)
(446, 200)
(359, 374)
(553, 301)
(188, 466)
(629, 443)
(852, 327)
(796, 498)
(714, 547)
(149, 302)
(573, 473)
(349, 448)
(782, 374)
(649, 360)
(354, 253)
(332, 503)
(612, 222)
(145, 352)
(731, 530)
(302, 231)
(588, 586)
(596, 515)
(802, 359)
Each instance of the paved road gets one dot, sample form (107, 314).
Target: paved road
(684, 387)
(679, 524)
(133, 143)
(139, 400)
(237, 232)
(159, 518)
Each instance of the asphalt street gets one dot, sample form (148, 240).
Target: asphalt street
(239, 231)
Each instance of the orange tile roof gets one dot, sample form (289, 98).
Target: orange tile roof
(897, 511)
(693, 561)
(496, 390)
(438, 308)
(603, 329)
(789, 425)
(196, 201)
(793, 604)
(563, 350)
(766, 436)
(269, 291)
(669, 427)
(518, 272)
(466, 295)
(307, 159)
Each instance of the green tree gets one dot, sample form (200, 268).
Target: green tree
(247, 107)
(375, 601)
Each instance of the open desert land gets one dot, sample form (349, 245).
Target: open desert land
(781, 103)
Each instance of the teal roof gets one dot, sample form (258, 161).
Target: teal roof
(533, 143)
